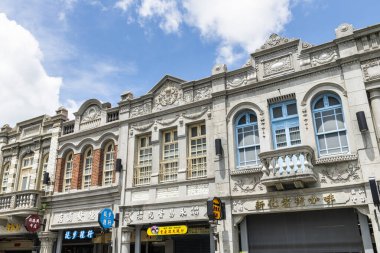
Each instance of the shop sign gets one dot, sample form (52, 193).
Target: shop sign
(198, 231)
(13, 227)
(106, 218)
(32, 223)
(167, 230)
(80, 234)
(215, 209)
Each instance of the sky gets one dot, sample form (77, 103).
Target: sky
(62, 52)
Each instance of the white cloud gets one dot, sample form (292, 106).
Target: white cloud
(26, 89)
(165, 10)
(244, 23)
(240, 26)
(123, 4)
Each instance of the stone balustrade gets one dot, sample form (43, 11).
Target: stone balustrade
(288, 167)
(19, 200)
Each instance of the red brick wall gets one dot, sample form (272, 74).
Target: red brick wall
(97, 167)
(59, 172)
(76, 180)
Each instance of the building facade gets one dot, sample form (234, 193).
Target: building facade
(289, 142)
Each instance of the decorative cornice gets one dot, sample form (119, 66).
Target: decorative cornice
(337, 158)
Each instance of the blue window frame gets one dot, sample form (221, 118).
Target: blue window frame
(330, 129)
(247, 139)
(285, 124)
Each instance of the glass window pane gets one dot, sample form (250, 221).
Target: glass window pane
(333, 101)
(167, 137)
(332, 141)
(194, 131)
(343, 139)
(242, 120)
(291, 109)
(321, 141)
(318, 125)
(277, 112)
(175, 135)
(252, 118)
(256, 136)
(340, 122)
(203, 129)
(329, 123)
(250, 154)
(319, 104)
(142, 142)
(248, 137)
(241, 156)
(240, 140)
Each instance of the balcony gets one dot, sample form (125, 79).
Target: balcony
(23, 202)
(288, 167)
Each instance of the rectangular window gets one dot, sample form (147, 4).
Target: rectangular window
(197, 153)
(169, 161)
(143, 167)
(285, 124)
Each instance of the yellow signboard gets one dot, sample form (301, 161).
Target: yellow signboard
(217, 208)
(167, 230)
(13, 227)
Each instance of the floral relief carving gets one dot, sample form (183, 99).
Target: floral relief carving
(92, 113)
(358, 196)
(371, 69)
(141, 110)
(324, 57)
(170, 94)
(202, 93)
(277, 65)
(237, 80)
(237, 206)
(340, 173)
(143, 127)
(188, 96)
(248, 184)
(167, 121)
(196, 114)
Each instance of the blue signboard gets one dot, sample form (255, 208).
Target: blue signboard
(106, 218)
(81, 234)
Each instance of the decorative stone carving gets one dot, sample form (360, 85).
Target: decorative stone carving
(285, 202)
(358, 196)
(197, 189)
(247, 184)
(278, 65)
(202, 93)
(306, 45)
(371, 69)
(196, 114)
(141, 110)
(237, 80)
(313, 200)
(92, 113)
(169, 95)
(188, 96)
(344, 30)
(170, 192)
(324, 56)
(167, 121)
(219, 68)
(299, 200)
(143, 127)
(340, 173)
(274, 40)
(237, 206)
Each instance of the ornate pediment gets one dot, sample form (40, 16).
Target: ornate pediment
(274, 40)
(92, 113)
(167, 93)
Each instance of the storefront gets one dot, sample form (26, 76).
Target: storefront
(336, 230)
(15, 238)
(196, 238)
(86, 240)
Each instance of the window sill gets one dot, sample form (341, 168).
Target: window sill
(247, 170)
(336, 158)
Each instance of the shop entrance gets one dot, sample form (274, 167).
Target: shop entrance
(78, 249)
(192, 243)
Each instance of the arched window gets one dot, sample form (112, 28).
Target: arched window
(44, 166)
(25, 173)
(68, 172)
(109, 163)
(4, 181)
(247, 139)
(87, 169)
(329, 125)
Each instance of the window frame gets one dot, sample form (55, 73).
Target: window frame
(169, 165)
(88, 160)
(71, 162)
(256, 146)
(327, 107)
(143, 168)
(25, 172)
(6, 168)
(286, 121)
(44, 165)
(108, 168)
(198, 158)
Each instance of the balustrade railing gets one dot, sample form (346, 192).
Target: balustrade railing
(112, 116)
(19, 200)
(289, 165)
(68, 129)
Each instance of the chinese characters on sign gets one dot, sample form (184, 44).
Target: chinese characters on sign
(82, 234)
(167, 230)
(13, 227)
(32, 223)
(106, 218)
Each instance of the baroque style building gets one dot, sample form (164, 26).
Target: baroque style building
(289, 142)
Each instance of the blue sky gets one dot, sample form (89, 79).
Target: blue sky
(64, 52)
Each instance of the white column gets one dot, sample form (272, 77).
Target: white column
(126, 240)
(59, 242)
(366, 237)
(212, 239)
(375, 107)
(244, 236)
(138, 239)
(47, 240)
